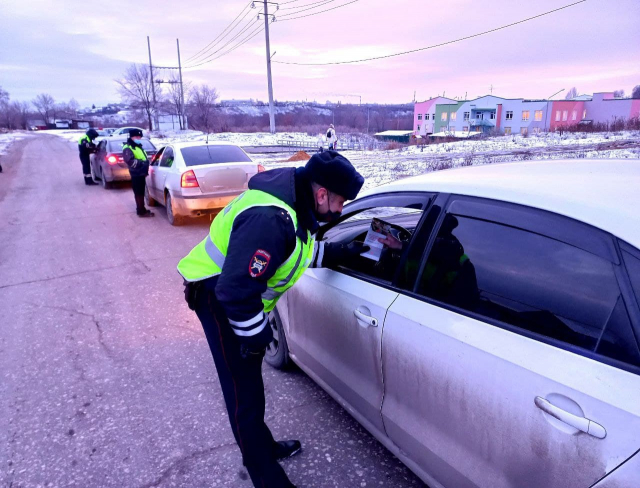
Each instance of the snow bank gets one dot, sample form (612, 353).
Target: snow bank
(9, 138)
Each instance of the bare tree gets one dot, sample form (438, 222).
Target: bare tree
(136, 89)
(618, 94)
(635, 93)
(73, 106)
(4, 95)
(175, 98)
(45, 106)
(571, 94)
(202, 109)
(24, 112)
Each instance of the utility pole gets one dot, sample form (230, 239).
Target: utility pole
(153, 86)
(368, 110)
(183, 120)
(272, 121)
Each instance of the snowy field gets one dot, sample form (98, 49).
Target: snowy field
(7, 139)
(383, 166)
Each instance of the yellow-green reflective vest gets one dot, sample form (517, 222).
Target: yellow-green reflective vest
(83, 138)
(207, 258)
(138, 152)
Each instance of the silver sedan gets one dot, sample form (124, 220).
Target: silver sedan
(494, 341)
(197, 178)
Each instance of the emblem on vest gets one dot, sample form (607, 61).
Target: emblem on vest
(259, 263)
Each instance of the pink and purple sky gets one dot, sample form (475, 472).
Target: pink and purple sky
(74, 48)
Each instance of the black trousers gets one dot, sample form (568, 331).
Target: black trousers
(243, 390)
(86, 165)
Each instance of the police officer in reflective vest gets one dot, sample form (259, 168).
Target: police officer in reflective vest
(256, 249)
(86, 147)
(136, 158)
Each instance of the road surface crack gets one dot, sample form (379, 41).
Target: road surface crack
(181, 463)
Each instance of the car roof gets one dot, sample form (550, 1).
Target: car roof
(181, 145)
(603, 193)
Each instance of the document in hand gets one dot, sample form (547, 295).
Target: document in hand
(379, 230)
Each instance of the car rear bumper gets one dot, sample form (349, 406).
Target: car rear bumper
(195, 205)
(117, 173)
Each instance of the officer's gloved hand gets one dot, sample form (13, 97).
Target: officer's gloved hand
(191, 293)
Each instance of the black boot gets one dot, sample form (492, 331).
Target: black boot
(286, 449)
(89, 181)
(141, 210)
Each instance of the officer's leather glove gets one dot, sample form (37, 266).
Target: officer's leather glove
(191, 293)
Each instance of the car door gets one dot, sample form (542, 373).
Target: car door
(162, 170)
(512, 361)
(336, 315)
(151, 178)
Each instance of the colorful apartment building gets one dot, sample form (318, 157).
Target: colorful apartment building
(519, 116)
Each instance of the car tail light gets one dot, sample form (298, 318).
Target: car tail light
(189, 180)
(261, 168)
(112, 159)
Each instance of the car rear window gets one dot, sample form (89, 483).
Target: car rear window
(116, 146)
(198, 155)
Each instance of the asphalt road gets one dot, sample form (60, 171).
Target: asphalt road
(106, 378)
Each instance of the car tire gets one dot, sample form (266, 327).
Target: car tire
(107, 185)
(171, 216)
(148, 199)
(277, 354)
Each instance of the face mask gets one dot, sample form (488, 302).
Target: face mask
(137, 140)
(328, 216)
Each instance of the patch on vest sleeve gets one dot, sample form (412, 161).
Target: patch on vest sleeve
(259, 263)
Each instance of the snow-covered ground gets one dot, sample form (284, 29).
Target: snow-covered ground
(8, 138)
(383, 166)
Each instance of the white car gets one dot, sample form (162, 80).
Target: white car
(498, 347)
(196, 178)
(124, 132)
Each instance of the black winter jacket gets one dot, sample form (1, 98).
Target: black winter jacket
(262, 231)
(137, 167)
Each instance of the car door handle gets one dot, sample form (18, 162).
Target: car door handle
(583, 424)
(366, 319)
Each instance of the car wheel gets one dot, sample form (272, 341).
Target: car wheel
(103, 179)
(277, 354)
(173, 218)
(148, 199)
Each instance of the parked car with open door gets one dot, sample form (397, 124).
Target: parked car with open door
(198, 178)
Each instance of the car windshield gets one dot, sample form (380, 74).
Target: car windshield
(116, 146)
(198, 155)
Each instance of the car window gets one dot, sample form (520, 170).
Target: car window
(167, 158)
(211, 154)
(156, 157)
(531, 282)
(403, 220)
(633, 267)
(147, 145)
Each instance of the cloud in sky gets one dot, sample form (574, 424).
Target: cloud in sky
(73, 48)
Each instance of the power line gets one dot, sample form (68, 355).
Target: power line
(434, 45)
(324, 2)
(232, 22)
(242, 31)
(241, 43)
(321, 11)
(301, 6)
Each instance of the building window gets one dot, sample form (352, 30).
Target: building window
(507, 131)
(444, 116)
(419, 116)
(418, 126)
(509, 115)
(565, 115)
(538, 115)
(465, 128)
(557, 115)
(525, 115)
(454, 116)
(584, 114)
(524, 131)
(466, 116)
(426, 116)
(574, 115)
(433, 117)
(492, 115)
(537, 130)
